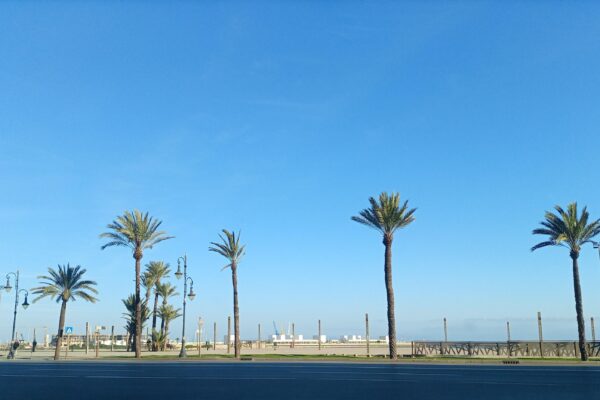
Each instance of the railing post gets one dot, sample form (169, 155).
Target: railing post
(541, 336)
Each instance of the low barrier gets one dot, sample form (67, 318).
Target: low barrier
(504, 349)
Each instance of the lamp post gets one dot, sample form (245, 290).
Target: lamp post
(191, 295)
(597, 246)
(25, 304)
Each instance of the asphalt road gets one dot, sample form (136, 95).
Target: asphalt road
(291, 381)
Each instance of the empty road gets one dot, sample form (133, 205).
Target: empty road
(276, 381)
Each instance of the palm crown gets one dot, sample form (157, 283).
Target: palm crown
(135, 230)
(386, 215)
(155, 271)
(230, 248)
(567, 229)
(166, 290)
(66, 283)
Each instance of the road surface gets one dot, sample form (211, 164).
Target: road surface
(291, 381)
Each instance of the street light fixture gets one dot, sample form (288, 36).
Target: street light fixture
(191, 296)
(18, 291)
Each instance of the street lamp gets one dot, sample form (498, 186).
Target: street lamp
(25, 304)
(191, 295)
(597, 246)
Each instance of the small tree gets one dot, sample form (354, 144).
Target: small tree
(64, 284)
(568, 229)
(231, 249)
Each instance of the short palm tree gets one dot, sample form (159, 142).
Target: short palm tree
(231, 249)
(64, 284)
(568, 229)
(165, 290)
(130, 316)
(139, 232)
(167, 313)
(156, 271)
(387, 216)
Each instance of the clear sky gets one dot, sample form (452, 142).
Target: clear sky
(281, 119)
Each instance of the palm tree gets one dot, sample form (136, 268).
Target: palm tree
(155, 272)
(65, 284)
(569, 230)
(233, 252)
(165, 290)
(130, 317)
(167, 313)
(387, 216)
(139, 232)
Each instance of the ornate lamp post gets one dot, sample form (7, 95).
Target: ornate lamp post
(25, 304)
(191, 295)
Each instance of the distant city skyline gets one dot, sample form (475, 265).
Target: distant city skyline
(281, 120)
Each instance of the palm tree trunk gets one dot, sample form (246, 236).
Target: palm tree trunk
(236, 312)
(138, 306)
(154, 311)
(387, 241)
(61, 327)
(154, 345)
(579, 307)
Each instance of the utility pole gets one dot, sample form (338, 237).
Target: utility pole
(259, 335)
(293, 335)
(593, 331)
(367, 335)
(87, 337)
(508, 348)
(319, 335)
(215, 336)
(541, 336)
(228, 334)
(445, 330)
(112, 338)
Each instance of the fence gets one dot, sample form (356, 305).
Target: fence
(504, 349)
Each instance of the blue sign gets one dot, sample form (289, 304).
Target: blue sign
(68, 330)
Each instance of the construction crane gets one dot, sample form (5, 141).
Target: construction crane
(275, 327)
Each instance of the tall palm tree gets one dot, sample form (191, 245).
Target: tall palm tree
(66, 283)
(130, 317)
(139, 232)
(167, 313)
(165, 290)
(156, 271)
(568, 229)
(387, 216)
(233, 252)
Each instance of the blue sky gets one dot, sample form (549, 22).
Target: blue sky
(281, 119)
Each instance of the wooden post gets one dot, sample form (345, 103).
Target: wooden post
(112, 338)
(541, 336)
(593, 331)
(68, 343)
(508, 349)
(259, 335)
(215, 336)
(367, 336)
(319, 335)
(87, 337)
(293, 335)
(97, 344)
(228, 334)
(445, 330)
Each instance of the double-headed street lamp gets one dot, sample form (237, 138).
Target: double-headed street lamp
(191, 295)
(25, 304)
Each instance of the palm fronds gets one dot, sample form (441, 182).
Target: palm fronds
(64, 284)
(386, 214)
(567, 228)
(230, 248)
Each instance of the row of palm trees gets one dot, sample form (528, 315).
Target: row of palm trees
(387, 214)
